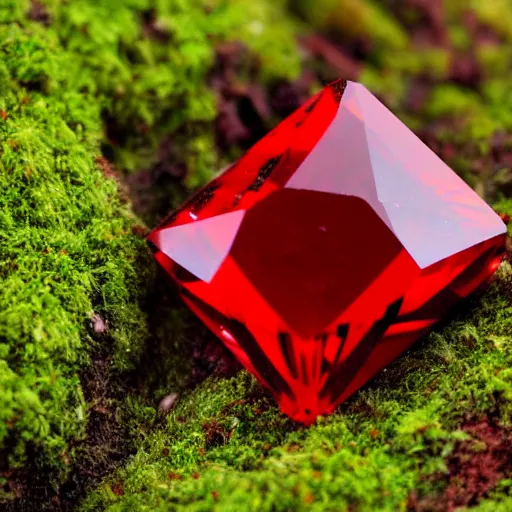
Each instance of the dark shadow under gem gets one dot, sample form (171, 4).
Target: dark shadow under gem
(154, 249)
(247, 342)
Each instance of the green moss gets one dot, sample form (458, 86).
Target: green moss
(427, 61)
(154, 79)
(356, 19)
(502, 503)
(449, 100)
(494, 59)
(495, 15)
(459, 37)
(227, 447)
(390, 86)
(67, 249)
(504, 206)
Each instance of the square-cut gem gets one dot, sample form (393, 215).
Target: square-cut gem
(329, 248)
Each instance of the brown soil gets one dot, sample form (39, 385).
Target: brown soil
(474, 469)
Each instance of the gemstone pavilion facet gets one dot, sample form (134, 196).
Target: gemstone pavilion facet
(329, 248)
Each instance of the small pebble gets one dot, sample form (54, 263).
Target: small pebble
(167, 403)
(98, 324)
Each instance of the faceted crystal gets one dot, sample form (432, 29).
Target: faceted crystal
(329, 248)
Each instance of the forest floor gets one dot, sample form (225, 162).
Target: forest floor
(112, 396)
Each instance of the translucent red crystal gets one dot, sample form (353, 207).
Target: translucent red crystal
(329, 248)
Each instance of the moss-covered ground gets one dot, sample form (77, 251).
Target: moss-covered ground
(111, 111)
(226, 445)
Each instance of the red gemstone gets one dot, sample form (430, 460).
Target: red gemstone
(329, 248)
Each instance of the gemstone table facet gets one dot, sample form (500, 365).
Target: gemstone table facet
(329, 248)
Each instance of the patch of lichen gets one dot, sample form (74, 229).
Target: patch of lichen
(226, 445)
